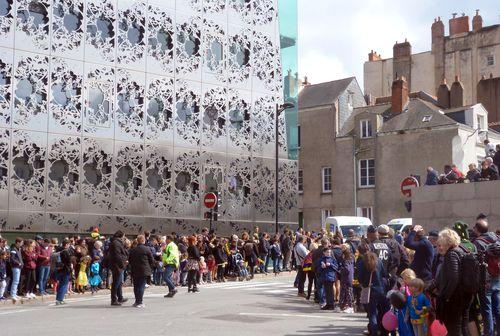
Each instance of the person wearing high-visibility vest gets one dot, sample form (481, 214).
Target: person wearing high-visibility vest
(170, 259)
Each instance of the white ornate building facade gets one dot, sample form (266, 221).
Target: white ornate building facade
(123, 114)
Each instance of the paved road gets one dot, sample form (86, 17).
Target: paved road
(264, 306)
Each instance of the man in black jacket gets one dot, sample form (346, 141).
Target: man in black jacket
(141, 265)
(264, 248)
(64, 268)
(287, 248)
(117, 261)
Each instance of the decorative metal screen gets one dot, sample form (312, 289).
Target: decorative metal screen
(122, 114)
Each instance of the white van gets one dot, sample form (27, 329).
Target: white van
(345, 223)
(398, 224)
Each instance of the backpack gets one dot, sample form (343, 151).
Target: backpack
(493, 259)
(58, 262)
(469, 271)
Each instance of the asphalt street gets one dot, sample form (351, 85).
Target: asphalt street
(263, 306)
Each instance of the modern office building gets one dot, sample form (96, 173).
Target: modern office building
(124, 114)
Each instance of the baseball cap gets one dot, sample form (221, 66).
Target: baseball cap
(371, 229)
(383, 229)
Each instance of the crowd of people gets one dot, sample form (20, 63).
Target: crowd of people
(30, 268)
(421, 282)
(451, 277)
(489, 170)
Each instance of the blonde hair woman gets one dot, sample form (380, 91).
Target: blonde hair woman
(452, 303)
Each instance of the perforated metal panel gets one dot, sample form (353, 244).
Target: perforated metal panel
(122, 114)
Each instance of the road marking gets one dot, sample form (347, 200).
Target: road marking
(252, 285)
(297, 315)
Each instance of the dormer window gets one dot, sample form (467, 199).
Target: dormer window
(427, 118)
(366, 128)
(350, 100)
(490, 60)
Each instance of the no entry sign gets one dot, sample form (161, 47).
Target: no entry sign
(210, 200)
(407, 185)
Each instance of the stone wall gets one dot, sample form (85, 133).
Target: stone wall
(435, 207)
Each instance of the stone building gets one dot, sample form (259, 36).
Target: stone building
(323, 111)
(122, 114)
(471, 54)
(358, 169)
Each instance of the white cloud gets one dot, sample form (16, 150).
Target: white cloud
(336, 36)
(319, 67)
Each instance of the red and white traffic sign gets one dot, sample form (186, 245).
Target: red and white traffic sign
(408, 185)
(210, 200)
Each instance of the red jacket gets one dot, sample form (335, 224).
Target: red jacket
(29, 259)
(43, 255)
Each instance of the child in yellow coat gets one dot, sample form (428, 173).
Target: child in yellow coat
(82, 280)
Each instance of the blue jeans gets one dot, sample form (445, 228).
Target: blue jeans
(169, 272)
(116, 287)
(490, 307)
(16, 276)
(265, 264)
(377, 307)
(157, 276)
(139, 287)
(328, 287)
(43, 276)
(276, 265)
(319, 290)
(62, 287)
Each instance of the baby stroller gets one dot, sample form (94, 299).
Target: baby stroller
(240, 269)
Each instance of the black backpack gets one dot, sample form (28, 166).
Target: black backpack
(469, 271)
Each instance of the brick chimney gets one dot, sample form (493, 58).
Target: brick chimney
(459, 25)
(399, 95)
(477, 22)
(456, 93)
(401, 50)
(443, 95)
(437, 29)
(373, 56)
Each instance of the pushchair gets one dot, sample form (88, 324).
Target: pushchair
(239, 268)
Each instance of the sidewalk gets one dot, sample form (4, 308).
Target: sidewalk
(129, 289)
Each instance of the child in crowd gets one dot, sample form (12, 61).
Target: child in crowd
(3, 273)
(203, 270)
(404, 325)
(346, 299)
(82, 280)
(212, 268)
(327, 275)
(418, 306)
(95, 279)
(276, 255)
(182, 269)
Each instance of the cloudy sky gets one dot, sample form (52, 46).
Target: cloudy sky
(335, 36)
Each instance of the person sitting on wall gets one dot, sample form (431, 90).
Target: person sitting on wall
(449, 176)
(496, 158)
(460, 175)
(489, 172)
(489, 150)
(473, 175)
(432, 177)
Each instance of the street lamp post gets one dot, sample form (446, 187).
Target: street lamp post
(279, 109)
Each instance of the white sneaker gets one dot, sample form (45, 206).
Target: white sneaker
(33, 296)
(146, 286)
(27, 296)
(15, 298)
(140, 306)
(349, 310)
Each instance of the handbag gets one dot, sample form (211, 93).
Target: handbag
(365, 292)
